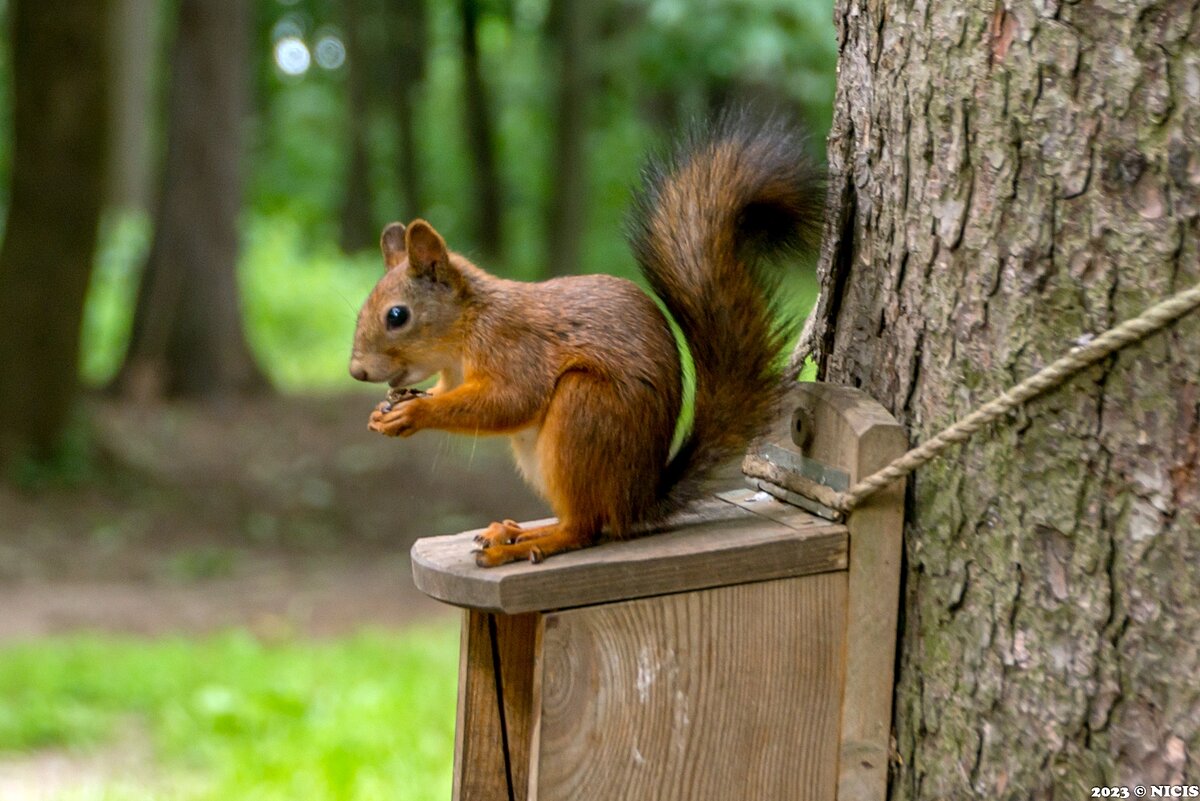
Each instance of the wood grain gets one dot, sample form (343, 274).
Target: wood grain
(854, 433)
(720, 543)
(764, 505)
(480, 732)
(728, 693)
(479, 773)
(518, 640)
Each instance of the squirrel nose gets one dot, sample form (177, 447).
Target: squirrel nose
(358, 371)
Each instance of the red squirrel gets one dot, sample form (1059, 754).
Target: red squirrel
(583, 372)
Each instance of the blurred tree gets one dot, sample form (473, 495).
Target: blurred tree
(187, 337)
(358, 228)
(486, 190)
(569, 34)
(59, 92)
(133, 56)
(407, 27)
(386, 47)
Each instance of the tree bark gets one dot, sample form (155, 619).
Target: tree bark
(1005, 178)
(569, 41)
(187, 338)
(59, 92)
(479, 135)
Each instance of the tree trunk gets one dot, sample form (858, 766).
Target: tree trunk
(408, 31)
(187, 335)
(479, 135)
(59, 92)
(567, 215)
(1006, 178)
(358, 229)
(133, 56)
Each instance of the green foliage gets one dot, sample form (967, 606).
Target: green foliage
(108, 312)
(780, 52)
(301, 303)
(300, 146)
(783, 50)
(361, 718)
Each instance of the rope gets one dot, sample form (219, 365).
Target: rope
(1050, 377)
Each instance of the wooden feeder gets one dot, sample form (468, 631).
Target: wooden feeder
(745, 653)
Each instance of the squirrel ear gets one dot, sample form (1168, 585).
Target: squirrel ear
(391, 242)
(428, 257)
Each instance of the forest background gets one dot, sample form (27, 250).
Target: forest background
(203, 553)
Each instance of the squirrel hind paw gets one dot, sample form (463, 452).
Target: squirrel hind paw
(502, 533)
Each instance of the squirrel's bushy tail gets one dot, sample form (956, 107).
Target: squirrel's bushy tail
(709, 219)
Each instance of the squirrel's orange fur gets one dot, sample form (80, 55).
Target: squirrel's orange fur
(583, 371)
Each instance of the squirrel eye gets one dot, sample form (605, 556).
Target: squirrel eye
(397, 316)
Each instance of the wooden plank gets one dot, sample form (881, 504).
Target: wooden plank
(851, 431)
(764, 505)
(675, 698)
(718, 544)
(481, 734)
(517, 638)
(479, 773)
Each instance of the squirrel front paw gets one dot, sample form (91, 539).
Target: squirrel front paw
(399, 421)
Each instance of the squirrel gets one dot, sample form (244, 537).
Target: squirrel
(584, 372)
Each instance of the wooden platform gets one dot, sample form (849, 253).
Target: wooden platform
(745, 651)
(737, 537)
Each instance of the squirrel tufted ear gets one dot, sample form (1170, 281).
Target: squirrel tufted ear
(428, 257)
(391, 242)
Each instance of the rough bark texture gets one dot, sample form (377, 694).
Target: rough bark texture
(1008, 176)
(187, 335)
(59, 94)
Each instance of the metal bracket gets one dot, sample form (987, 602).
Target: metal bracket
(780, 467)
(784, 463)
(795, 499)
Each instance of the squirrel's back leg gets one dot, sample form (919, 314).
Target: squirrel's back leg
(599, 469)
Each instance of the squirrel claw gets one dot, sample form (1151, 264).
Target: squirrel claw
(503, 533)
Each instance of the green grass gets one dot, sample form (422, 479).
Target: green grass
(365, 717)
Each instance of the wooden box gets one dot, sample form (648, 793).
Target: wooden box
(746, 653)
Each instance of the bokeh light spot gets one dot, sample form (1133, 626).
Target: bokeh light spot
(330, 52)
(287, 26)
(292, 56)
